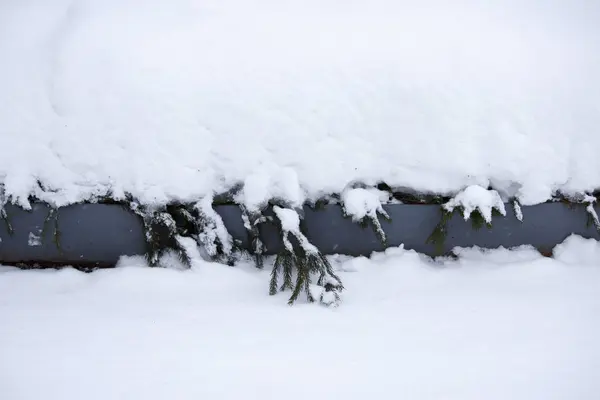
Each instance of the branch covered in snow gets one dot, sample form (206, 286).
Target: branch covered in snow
(589, 201)
(477, 199)
(3, 214)
(518, 211)
(251, 222)
(212, 233)
(364, 205)
(308, 261)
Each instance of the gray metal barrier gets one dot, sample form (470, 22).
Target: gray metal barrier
(96, 235)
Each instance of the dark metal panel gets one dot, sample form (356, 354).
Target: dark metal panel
(83, 234)
(98, 234)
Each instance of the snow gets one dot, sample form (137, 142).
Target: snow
(577, 251)
(214, 228)
(590, 209)
(361, 203)
(518, 211)
(290, 220)
(290, 223)
(505, 324)
(181, 99)
(476, 198)
(262, 186)
(34, 240)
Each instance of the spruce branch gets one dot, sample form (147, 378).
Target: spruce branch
(440, 232)
(3, 214)
(251, 222)
(308, 261)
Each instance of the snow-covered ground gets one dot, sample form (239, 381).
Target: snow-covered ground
(176, 99)
(492, 325)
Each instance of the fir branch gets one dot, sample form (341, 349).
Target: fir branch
(284, 262)
(288, 262)
(251, 222)
(3, 213)
(162, 237)
(57, 235)
(439, 233)
(4, 217)
(300, 280)
(518, 210)
(52, 218)
(477, 220)
(274, 275)
(592, 217)
(306, 259)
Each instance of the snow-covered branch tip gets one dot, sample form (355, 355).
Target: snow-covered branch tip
(51, 222)
(517, 209)
(252, 219)
(309, 262)
(211, 233)
(477, 204)
(364, 206)
(165, 227)
(3, 214)
(161, 235)
(589, 201)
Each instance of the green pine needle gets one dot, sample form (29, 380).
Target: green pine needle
(439, 233)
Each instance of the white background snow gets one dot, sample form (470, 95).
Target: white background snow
(493, 325)
(177, 99)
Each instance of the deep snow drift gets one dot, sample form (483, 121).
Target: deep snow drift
(176, 99)
(493, 325)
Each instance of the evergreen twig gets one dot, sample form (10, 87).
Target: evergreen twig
(308, 261)
(439, 233)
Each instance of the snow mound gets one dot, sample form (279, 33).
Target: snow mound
(576, 250)
(175, 100)
(476, 198)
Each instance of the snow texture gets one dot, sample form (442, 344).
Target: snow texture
(476, 198)
(174, 100)
(494, 325)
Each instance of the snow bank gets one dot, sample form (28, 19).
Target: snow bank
(576, 250)
(180, 99)
(496, 325)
